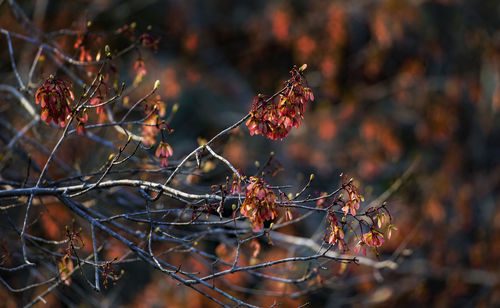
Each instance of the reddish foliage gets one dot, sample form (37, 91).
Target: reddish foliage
(275, 119)
(149, 41)
(354, 197)
(334, 233)
(164, 151)
(54, 96)
(259, 204)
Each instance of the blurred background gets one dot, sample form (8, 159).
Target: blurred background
(396, 82)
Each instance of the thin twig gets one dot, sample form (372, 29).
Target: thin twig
(13, 60)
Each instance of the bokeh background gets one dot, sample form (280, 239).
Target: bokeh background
(397, 82)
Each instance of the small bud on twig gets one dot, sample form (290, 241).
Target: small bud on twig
(107, 51)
